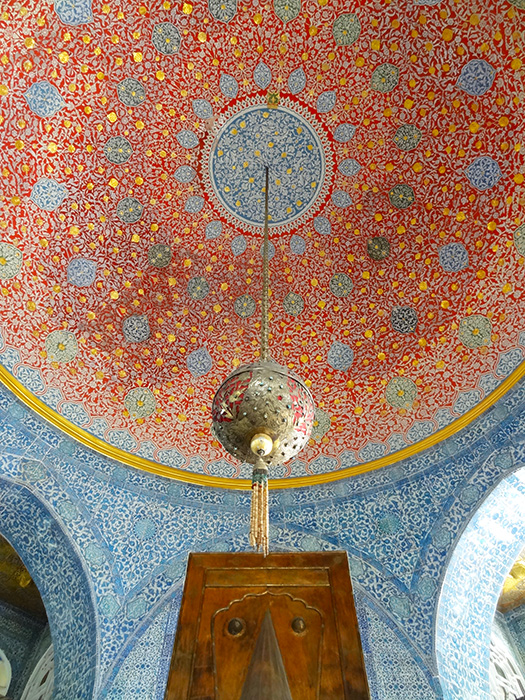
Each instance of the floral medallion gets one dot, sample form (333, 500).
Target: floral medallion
(287, 10)
(297, 81)
(202, 109)
(326, 101)
(223, 10)
(453, 257)
(136, 328)
(238, 245)
(199, 362)
(385, 78)
(475, 331)
(404, 319)
(228, 86)
(130, 92)
(48, 194)
(349, 167)
(74, 12)
(61, 346)
(140, 402)
(81, 272)
(401, 392)
(322, 424)
(519, 239)
(483, 173)
(44, 99)
(11, 260)
(322, 225)
(118, 150)
(187, 139)
(293, 304)
(185, 174)
(407, 137)
(378, 248)
(344, 133)
(166, 38)
(245, 306)
(476, 77)
(213, 230)
(297, 245)
(198, 288)
(194, 204)
(341, 285)
(284, 141)
(129, 210)
(262, 76)
(159, 255)
(401, 196)
(340, 356)
(346, 29)
(341, 199)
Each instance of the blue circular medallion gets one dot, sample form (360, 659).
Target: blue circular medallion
(280, 138)
(81, 272)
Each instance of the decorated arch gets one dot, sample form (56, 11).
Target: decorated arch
(52, 560)
(471, 587)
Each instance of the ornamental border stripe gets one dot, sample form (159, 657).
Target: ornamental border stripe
(132, 460)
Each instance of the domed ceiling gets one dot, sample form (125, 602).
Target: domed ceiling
(134, 141)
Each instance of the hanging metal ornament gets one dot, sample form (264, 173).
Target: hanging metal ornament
(263, 414)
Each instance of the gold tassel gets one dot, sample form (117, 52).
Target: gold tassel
(259, 515)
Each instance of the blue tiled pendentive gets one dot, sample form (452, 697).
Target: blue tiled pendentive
(393, 667)
(123, 537)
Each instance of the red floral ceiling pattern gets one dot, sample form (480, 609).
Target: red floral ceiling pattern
(130, 283)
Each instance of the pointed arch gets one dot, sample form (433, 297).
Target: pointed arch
(57, 569)
(473, 581)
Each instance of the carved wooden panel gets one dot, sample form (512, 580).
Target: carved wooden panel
(303, 674)
(287, 618)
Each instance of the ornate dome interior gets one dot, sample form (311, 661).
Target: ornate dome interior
(135, 137)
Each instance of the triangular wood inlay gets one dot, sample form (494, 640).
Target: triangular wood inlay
(266, 679)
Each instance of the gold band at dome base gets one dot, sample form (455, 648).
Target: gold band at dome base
(115, 453)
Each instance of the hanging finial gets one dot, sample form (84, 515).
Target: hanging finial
(262, 413)
(262, 444)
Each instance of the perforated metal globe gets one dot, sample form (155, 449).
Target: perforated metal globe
(263, 398)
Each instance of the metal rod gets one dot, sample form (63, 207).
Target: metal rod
(266, 276)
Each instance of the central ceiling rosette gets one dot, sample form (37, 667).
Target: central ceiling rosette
(289, 144)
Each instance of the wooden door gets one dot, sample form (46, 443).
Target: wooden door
(289, 618)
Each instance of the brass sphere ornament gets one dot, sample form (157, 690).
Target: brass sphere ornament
(262, 414)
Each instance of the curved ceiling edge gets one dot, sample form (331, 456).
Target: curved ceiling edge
(88, 440)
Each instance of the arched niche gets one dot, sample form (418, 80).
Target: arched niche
(57, 570)
(474, 577)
